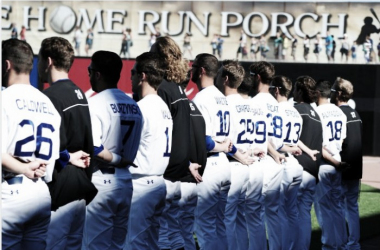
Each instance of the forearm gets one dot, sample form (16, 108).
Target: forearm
(328, 157)
(304, 148)
(11, 164)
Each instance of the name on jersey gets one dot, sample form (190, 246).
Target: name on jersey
(333, 113)
(166, 115)
(292, 113)
(123, 108)
(249, 109)
(33, 106)
(272, 108)
(221, 100)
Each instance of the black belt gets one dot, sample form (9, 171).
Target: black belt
(107, 170)
(212, 154)
(14, 180)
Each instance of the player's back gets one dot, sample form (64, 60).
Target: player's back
(271, 108)
(30, 125)
(155, 145)
(334, 127)
(116, 120)
(292, 123)
(214, 108)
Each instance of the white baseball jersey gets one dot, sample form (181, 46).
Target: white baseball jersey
(155, 145)
(291, 123)
(30, 126)
(214, 108)
(270, 107)
(113, 113)
(334, 127)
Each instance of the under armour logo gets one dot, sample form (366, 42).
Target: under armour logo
(105, 181)
(353, 114)
(150, 181)
(312, 112)
(79, 94)
(15, 192)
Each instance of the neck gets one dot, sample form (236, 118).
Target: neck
(322, 101)
(206, 81)
(281, 98)
(18, 78)
(340, 103)
(245, 96)
(56, 75)
(146, 89)
(229, 91)
(263, 88)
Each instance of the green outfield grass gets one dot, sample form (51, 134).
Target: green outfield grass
(369, 209)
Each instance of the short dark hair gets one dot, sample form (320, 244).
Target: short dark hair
(234, 71)
(59, 50)
(324, 88)
(109, 64)
(246, 85)
(346, 89)
(264, 69)
(209, 63)
(308, 87)
(19, 53)
(149, 63)
(283, 83)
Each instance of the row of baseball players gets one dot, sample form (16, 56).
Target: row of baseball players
(167, 144)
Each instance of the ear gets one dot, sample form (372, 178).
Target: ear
(50, 62)
(143, 76)
(7, 65)
(225, 80)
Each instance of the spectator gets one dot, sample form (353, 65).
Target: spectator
(263, 48)
(354, 48)
(22, 33)
(317, 46)
(254, 48)
(378, 51)
(89, 41)
(219, 46)
(294, 47)
(329, 46)
(367, 46)
(242, 43)
(126, 43)
(77, 39)
(278, 45)
(333, 49)
(285, 45)
(306, 47)
(345, 47)
(214, 44)
(14, 33)
(186, 45)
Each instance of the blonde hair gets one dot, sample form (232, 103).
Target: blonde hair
(175, 66)
(345, 87)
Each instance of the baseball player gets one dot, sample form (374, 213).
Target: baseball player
(304, 93)
(172, 94)
(351, 153)
(71, 188)
(116, 126)
(229, 78)
(328, 191)
(262, 73)
(198, 158)
(149, 190)
(212, 191)
(30, 146)
(292, 126)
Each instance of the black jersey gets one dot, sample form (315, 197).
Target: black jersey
(198, 151)
(311, 136)
(352, 151)
(178, 104)
(71, 183)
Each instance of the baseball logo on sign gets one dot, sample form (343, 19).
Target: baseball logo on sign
(63, 19)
